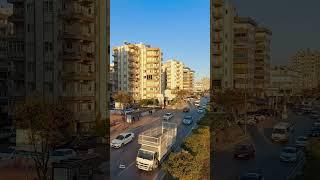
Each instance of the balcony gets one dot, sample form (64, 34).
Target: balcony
(218, 3)
(217, 52)
(86, 2)
(84, 116)
(217, 27)
(77, 35)
(72, 14)
(78, 75)
(15, 1)
(217, 39)
(16, 75)
(217, 63)
(217, 14)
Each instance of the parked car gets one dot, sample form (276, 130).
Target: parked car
(315, 132)
(7, 153)
(315, 116)
(200, 110)
(187, 120)
(167, 116)
(254, 175)
(317, 123)
(128, 111)
(62, 154)
(290, 154)
(186, 109)
(122, 140)
(302, 141)
(244, 151)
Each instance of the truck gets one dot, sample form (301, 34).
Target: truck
(156, 144)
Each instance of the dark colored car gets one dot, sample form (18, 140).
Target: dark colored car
(244, 151)
(186, 110)
(315, 132)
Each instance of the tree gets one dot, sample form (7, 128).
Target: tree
(123, 97)
(46, 126)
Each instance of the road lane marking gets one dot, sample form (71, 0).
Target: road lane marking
(126, 168)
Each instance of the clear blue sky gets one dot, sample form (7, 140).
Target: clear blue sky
(181, 28)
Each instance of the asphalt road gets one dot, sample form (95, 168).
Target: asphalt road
(267, 153)
(127, 155)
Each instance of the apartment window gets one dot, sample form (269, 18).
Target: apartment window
(64, 86)
(50, 7)
(28, 28)
(226, 11)
(46, 6)
(69, 45)
(89, 106)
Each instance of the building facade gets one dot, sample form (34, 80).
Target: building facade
(6, 30)
(221, 53)
(138, 70)
(262, 59)
(188, 79)
(307, 62)
(60, 51)
(284, 81)
(173, 70)
(244, 53)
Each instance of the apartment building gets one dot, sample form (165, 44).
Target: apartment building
(60, 51)
(221, 35)
(6, 29)
(244, 52)
(112, 83)
(202, 85)
(307, 62)
(262, 59)
(138, 70)
(188, 79)
(284, 81)
(173, 70)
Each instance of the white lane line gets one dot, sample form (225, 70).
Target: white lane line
(126, 168)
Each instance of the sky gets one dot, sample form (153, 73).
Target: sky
(294, 24)
(181, 28)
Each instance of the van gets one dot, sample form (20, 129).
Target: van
(282, 131)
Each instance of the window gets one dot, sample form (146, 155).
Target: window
(50, 7)
(226, 11)
(69, 45)
(89, 107)
(45, 6)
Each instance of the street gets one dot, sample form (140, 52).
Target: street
(127, 154)
(267, 152)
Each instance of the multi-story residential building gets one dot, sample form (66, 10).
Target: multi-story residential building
(138, 70)
(173, 71)
(59, 51)
(6, 29)
(284, 81)
(188, 78)
(221, 35)
(307, 62)
(262, 59)
(244, 53)
(112, 79)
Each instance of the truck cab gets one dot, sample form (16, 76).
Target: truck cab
(147, 159)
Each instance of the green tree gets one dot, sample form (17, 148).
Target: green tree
(46, 125)
(123, 97)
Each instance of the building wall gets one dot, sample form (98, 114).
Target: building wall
(61, 53)
(174, 74)
(222, 14)
(138, 70)
(307, 62)
(244, 53)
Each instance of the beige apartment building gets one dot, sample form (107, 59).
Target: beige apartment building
(173, 70)
(188, 79)
(262, 59)
(244, 52)
(307, 62)
(6, 29)
(202, 85)
(284, 81)
(60, 51)
(221, 35)
(138, 70)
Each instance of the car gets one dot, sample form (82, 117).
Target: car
(128, 111)
(255, 175)
(244, 151)
(302, 141)
(186, 110)
(314, 133)
(122, 139)
(167, 116)
(315, 116)
(300, 113)
(200, 110)
(290, 154)
(187, 120)
(7, 153)
(62, 154)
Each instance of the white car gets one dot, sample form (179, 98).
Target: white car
(290, 154)
(62, 154)
(122, 140)
(167, 116)
(187, 120)
(128, 111)
(302, 141)
(200, 110)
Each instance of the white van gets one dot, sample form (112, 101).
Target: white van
(281, 131)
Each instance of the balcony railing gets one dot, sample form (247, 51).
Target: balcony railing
(218, 27)
(73, 14)
(218, 3)
(78, 75)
